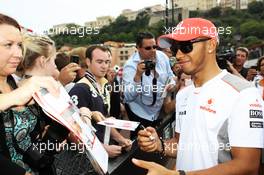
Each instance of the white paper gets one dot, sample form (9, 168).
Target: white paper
(62, 110)
(120, 124)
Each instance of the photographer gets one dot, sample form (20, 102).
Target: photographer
(145, 76)
(240, 59)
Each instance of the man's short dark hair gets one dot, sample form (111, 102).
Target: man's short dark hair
(89, 50)
(143, 35)
(62, 60)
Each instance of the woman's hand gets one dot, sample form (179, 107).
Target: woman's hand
(27, 88)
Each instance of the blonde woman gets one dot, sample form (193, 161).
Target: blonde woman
(39, 59)
(39, 54)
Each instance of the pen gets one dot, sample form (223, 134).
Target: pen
(152, 138)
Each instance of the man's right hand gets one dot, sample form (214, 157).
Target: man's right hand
(147, 144)
(140, 71)
(251, 74)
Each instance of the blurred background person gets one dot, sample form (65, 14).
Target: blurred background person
(167, 51)
(183, 80)
(259, 78)
(80, 52)
(239, 61)
(252, 73)
(68, 70)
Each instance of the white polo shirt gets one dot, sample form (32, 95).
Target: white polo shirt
(225, 112)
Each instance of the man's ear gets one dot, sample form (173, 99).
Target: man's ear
(211, 46)
(88, 62)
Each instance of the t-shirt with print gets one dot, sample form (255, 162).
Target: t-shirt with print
(225, 112)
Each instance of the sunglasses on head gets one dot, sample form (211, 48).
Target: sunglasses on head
(151, 47)
(185, 46)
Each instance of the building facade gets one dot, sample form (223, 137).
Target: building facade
(235, 4)
(129, 14)
(120, 52)
(100, 22)
(193, 4)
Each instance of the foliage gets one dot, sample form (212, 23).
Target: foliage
(256, 7)
(247, 24)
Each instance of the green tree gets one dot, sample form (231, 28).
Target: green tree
(251, 40)
(214, 12)
(256, 7)
(252, 28)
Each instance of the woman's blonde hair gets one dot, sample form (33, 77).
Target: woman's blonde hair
(35, 46)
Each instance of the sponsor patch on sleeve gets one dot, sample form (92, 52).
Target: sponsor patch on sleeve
(255, 114)
(256, 124)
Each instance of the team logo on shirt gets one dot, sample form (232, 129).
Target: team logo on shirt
(256, 104)
(94, 94)
(182, 112)
(74, 99)
(254, 124)
(255, 113)
(208, 106)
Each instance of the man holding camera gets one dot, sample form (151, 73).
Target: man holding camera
(237, 68)
(145, 76)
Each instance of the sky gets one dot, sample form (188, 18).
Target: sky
(40, 15)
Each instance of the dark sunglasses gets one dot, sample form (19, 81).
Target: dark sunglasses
(185, 46)
(151, 47)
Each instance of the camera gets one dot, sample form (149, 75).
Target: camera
(223, 57)
(74, 59)
(116, 68)
(149, 65)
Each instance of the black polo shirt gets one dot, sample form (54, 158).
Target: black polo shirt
(244, 72)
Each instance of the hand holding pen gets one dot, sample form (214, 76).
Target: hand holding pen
(150, 137)
(148, 140)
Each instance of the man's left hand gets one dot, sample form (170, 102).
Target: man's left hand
(153, 168)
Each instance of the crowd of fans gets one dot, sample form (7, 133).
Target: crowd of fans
(151, 79)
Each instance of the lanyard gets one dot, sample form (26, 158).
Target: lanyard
(154, 90)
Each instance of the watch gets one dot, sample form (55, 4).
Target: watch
(181, 172)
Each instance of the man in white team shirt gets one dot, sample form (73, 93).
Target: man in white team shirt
(219, 118)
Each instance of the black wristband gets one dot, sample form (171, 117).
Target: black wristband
(181, 172)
